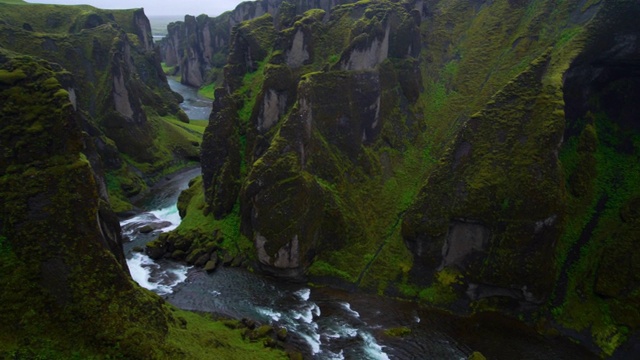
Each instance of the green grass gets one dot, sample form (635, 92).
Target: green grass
(198, 220)
(251, 85)
(172, 136)
(200, 123)
(168, 70)
(207, 91)
(204, 338)
(615, 176)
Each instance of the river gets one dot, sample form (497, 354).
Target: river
(324, 323)
(196, 106)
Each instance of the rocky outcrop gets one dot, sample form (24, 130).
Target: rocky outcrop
(199, 45)
(480, 179)
(520, 193)
(61, 256)
(119, 86)
(291, 130)
(458, 153)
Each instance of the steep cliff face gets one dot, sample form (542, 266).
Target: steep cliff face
(195, 47)
(198, 46)
(291, 143)
(598, 290)
(63, 270)
(66, 292)
(120, 87)
(459, 153)
(519, 209)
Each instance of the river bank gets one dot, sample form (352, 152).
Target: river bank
(324, 323)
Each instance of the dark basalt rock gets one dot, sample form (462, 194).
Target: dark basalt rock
(154, 226)
(59, 236)
(211, 265)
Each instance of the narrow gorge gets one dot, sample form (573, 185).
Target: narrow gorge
(459, 164)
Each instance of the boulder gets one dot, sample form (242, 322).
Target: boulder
(227, 259)
(202, 260)
(154, 226)
(155, 249)
(211, 265)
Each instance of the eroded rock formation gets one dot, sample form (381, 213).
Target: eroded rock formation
(61, 256)
(460, 153)
(119, 86)
(199, 45)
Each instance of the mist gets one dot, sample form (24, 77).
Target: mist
(156, 7)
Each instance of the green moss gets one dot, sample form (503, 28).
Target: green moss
(441, 292)
(251, 83)
(398, 332)
(477, 356)
(199, 229)
(595, 238)
(207, 91)
(321, 268)
(11, 77)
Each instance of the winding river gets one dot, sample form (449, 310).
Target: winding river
(196, 106)
(324, 323)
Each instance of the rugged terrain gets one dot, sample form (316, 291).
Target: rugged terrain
(120, 89)
(472, 155)
(196, 49)
(77, 102)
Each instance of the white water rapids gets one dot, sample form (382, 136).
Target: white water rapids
(339, 334)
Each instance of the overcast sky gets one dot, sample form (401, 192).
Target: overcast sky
(156, 7)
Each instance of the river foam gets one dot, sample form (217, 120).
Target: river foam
(170, 214)
(144, 270)
(148, 274)
(371, 348)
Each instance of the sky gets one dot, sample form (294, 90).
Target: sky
(156, 7)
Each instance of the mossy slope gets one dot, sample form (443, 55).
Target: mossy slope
(119, 86)
(423, 149)
(66, 292)
(502, 211)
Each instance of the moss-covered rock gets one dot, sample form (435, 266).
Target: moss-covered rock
(458, 153)
(289, 146)
(60, 241)
(491, 205)
(66, 291)
(596, 289)
(118, 78)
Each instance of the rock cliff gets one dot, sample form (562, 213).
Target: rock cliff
(119, 86)
(63, 270)
(197, 47)
(473, 155)
(68, 77)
